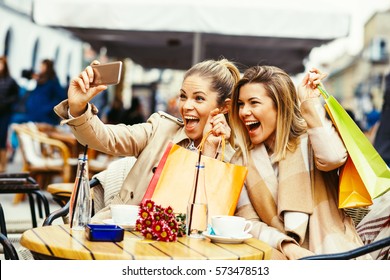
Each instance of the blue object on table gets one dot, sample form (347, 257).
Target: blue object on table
(112, 233)
(210, 230)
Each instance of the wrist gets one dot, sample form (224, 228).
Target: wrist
(77, 111)
(210, 148)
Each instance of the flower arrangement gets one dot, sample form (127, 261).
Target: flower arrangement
(159, 223)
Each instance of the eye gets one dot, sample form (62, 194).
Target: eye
(182, 96)
(240, 104)
(199, 98)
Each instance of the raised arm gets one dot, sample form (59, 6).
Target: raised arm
(80, 91)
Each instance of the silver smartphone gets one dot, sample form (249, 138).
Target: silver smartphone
(107, 74)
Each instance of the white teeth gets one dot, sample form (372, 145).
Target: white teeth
(190, 118)
(250, 123)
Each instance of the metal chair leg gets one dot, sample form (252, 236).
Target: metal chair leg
(44, 200)
(3, 226)
(9, 249)
(39, 204)
(32, 209)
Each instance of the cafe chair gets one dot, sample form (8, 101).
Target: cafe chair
(98, 162)
(23, 183)
(348, 255)
(43, 157)
(60, 192)
(64, 211)
(105, 184)
(8, 248)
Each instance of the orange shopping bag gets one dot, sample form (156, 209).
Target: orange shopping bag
(172, 187)
(352, 192)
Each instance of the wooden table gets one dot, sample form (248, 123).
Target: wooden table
(61, 192)
(60, 242)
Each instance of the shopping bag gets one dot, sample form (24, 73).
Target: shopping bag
(224, 182)
(369, 165)
(156, 175)
(352, 191)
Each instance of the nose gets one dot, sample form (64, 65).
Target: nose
(188, 105)
(245, 110)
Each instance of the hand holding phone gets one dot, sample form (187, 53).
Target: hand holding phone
(107, 74)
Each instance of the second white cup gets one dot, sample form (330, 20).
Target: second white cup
(230, 226)
(123, 214)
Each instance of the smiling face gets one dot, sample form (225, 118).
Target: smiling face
(258, 113)
(195, 104)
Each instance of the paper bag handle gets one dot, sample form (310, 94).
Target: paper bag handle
(222, 143)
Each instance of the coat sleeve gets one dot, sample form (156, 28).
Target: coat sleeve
(118, 140)
(329, 150)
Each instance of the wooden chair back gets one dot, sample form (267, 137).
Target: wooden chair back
(43, 156)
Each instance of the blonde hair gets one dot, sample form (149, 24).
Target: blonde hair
(289, 124)
(222, 73)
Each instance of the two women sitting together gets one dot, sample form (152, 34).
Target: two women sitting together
(278, 131)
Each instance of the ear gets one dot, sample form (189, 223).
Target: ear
(226, 106)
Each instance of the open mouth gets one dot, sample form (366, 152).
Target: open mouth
(191, 121)
(251, 126)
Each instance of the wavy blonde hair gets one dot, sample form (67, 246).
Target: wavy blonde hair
(290, 123)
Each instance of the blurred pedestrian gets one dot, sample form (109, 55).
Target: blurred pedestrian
(47, 93)
(382, 137)
(9, 92)
(115, 112)
(134, 114)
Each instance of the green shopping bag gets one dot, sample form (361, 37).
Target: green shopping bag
(372, 169)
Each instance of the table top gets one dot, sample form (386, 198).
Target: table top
(62, 189)
(59, 241)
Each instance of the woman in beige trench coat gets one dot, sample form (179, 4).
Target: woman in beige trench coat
(204, 100)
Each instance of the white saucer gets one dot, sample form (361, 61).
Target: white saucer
(228, 240)
(124, 226)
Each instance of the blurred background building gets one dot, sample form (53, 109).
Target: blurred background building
(358, 80)
(157, 40)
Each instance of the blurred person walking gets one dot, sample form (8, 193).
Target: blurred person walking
(47, 93)
(134, 114)
(382, 137)
(9, 92)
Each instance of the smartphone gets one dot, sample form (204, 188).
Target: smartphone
(107, 74)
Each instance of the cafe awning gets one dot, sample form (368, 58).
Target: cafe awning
(177, 33)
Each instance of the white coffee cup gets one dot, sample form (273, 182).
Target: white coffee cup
(230, 226)
(124, 214)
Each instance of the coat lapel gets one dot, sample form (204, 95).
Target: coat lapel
(262, 196)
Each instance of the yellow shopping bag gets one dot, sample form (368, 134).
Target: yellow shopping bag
(352, 191)
(373, 173)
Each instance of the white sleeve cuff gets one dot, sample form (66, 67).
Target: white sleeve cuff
(70, 115)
